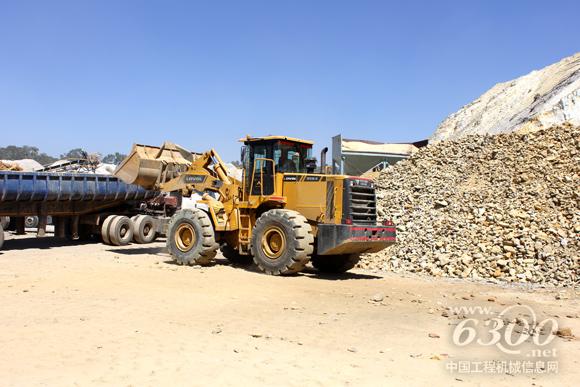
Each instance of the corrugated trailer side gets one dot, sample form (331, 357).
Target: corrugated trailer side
(78, 203)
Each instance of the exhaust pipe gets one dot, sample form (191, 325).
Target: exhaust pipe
(323, 160)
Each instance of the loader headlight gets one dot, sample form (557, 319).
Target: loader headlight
(362, 183)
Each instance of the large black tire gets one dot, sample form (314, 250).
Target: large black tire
(335, 263)
(191, 238)
(144, 229)
(105, 229)
(234, 256)
(4, 222)
(282, 242)
(121, 231)
(1, 236)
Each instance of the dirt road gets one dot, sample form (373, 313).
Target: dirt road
(99, 315)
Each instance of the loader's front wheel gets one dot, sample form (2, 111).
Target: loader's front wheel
(282, 242)
(335, 263)
(191, 238)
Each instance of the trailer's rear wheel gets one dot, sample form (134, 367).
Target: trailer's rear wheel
(121, 231)
(1, 236)
(335, 263)
(191, 237)
(144, 229)
(4, 222)
(282, 242)
(105, 229)
(31, 221)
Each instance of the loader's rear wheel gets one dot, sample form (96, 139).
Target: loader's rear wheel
(191, 238)
(121, 231)
(335, 263)
(234, 256)
(105, 229)
(282, 242)
(144, 229)
(1, 236)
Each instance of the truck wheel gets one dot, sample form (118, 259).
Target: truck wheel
(234, 256)
(1, 236)
(191, 237)
(31, 221)
(335, 263)
(105, 229)
(144, 229)
(282, 242)
(120, 231)
(4, 222)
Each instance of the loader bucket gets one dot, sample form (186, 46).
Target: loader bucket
(149, 166)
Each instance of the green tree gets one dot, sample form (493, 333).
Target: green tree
(13, 152)
(114, 158)
(76, 153)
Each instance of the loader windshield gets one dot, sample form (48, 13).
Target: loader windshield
(290, 157)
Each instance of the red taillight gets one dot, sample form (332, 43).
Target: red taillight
(348, 221)
(388, 222)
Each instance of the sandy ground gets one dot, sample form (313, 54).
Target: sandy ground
(90, 314)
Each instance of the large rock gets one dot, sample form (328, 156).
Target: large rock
(540, 99)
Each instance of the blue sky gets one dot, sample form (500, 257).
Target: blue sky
(104, 74)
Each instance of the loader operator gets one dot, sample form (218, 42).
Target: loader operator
(289, 164)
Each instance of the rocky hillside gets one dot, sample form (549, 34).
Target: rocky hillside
(540, 99)
(503, 207)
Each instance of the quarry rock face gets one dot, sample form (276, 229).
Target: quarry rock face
(538, 100)
(503, 208)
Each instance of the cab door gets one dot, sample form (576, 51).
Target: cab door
(261, 173)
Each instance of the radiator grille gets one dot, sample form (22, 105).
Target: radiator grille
(360, 202)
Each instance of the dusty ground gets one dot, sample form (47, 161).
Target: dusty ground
(98, 315)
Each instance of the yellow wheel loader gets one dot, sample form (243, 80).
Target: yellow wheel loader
(283, 213)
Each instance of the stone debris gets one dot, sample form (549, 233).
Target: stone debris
(9, 166)
(564, 332)
(500, 208)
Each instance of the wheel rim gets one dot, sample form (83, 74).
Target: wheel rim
(185, 237)
(273, 242)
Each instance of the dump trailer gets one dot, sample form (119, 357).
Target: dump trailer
(81, 206)
(286, 212)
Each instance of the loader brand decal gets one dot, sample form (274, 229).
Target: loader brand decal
(303, 178)
(194, 179)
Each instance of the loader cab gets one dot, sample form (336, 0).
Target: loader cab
(263, 157)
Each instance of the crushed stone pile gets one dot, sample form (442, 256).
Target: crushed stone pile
(502, 207)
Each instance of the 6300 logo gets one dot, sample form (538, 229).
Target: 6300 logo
(516, 330)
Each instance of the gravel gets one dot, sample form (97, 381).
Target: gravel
(503, 208)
